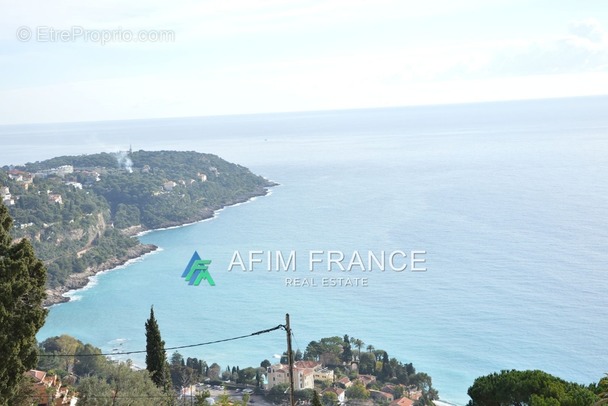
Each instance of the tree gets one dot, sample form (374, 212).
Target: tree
(315, 399)
(527, 387)
(378, 354)
(430, 394)
(313, 351)
(278, 393)
(199, 366)
(121, 386)
(386, 372)
(367, 363)
(328, 350)
(347, 355)
(357, 343)
(602, 388)
(224, 400)
(68, 346)
(422, 381)
(284, 358)
(214, 371)
(329, 399)
(304, 395)
(177, 359)
(22, 291)
(201, 398)
(156, 357)
(88, 361)
(25, 394)
(357, 391)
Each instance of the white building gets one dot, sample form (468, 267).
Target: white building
(59, 171)
(64, 170)
(6, 197)
(169, 185)
(304, 373)
(75, 185)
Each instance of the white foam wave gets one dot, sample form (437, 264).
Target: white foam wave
(73, 297)
(73, 294)
(215, 215)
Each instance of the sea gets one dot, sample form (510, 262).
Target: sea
(503, 206)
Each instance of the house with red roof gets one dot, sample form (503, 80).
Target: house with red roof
(402, 402)
(49, 391)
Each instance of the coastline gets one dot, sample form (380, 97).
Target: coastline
(442, 402)
(79, 281)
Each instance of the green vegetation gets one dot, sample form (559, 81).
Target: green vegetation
(83, 230)
(98, 380)
(329, 399)
(335, 352)
(187, 372)
(357, 391)
(156, 357)
(101, 381)
(121, 385)
(347, 354)
(22, 280)
(80, 218)
(534, 388)
(602, 389)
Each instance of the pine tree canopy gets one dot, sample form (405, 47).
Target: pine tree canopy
(22, 291)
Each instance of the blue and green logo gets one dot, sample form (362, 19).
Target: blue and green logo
(197, 271)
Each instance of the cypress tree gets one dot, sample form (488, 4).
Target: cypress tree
(22, 292)
(386, 372)
(156, 357)
(347, 354)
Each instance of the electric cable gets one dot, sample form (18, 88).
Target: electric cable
(268, 330)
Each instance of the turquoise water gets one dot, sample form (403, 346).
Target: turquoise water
(509, 200)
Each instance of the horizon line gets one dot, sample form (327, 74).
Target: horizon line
(334, 110)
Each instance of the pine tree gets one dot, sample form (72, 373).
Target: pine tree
(156, 357)
(22, 291)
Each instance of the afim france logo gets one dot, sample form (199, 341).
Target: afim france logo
(197, 271)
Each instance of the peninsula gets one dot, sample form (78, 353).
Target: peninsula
(83, 213)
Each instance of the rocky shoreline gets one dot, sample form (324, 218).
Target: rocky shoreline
(80, 280)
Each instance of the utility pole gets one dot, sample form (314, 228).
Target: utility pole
(290, 359)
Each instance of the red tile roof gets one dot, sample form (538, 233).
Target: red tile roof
(402, 402)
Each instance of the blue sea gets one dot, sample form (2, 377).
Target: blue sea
(509, 201)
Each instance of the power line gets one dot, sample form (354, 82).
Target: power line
(296, 340)
(268, 330)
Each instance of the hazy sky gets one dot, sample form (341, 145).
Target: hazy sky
(248, 56)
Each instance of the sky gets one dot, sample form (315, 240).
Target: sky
(71, 61)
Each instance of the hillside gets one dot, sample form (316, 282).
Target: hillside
(81, 212)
